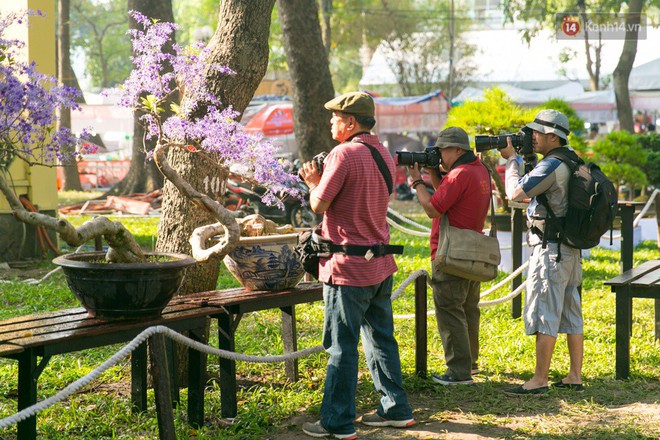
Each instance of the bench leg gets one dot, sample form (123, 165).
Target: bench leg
(139, 378)
(421, 327)
(170, 350)
(162, 388)
(27, 393)
(290, 341)
(228, 403)
(623, 322)
(196, 381)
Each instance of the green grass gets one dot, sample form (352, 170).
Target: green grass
(609, 409)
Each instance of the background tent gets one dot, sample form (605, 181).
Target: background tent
(272, 120)
(411, 114)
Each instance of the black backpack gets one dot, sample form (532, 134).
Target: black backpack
(592, 203)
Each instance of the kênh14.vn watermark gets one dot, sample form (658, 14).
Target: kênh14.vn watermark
(572, 25)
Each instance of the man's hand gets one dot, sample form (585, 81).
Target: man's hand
(508, 151)
(310, 174)
(414, 171)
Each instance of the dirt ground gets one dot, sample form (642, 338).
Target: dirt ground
(22, 270)
(433, 423)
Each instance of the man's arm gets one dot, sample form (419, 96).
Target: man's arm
(318, 206)
(422, 193)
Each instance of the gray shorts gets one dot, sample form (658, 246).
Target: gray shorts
(553, 303)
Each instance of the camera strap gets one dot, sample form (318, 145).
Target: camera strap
(326, 247)
(382, 166)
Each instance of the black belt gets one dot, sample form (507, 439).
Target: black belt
(376, 250)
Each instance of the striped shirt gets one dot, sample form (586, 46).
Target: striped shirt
(358, 197)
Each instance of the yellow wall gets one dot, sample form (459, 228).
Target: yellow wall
(38, 182)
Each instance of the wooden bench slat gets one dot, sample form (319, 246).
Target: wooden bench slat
(110, 327)
(9, 349)
(75, 321)
(649, 279)
(50, 327)
(18, 320)
(632, 274)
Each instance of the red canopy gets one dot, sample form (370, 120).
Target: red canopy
(273, 120)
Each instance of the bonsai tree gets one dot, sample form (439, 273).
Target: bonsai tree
(28, 103)
(622, 158)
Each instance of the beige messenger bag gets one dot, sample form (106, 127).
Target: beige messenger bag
(466, 253)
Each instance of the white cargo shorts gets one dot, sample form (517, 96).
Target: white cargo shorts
(553, 303)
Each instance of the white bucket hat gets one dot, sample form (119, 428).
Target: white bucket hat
(551, 121)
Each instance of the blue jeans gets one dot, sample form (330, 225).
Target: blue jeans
(349, 311)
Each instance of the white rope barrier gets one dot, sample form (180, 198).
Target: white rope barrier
(412, 277)
(406, 230)
(125, 351)
(407, 220)
(506, 280)
(646, 207)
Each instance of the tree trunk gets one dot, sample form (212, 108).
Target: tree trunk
(326, 14)
(143, 176)
(657, 216)
(240, 43)
(70, 168)
(623, 68)
(310, 74)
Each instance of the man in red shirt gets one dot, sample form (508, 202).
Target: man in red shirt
(353, 193)
(463, 195)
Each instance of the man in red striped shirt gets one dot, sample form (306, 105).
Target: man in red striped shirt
(353, 193)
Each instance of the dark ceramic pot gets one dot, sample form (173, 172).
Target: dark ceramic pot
(266, 263)
(123, 290)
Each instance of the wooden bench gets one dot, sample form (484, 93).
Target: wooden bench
(32, 340)
(640, 282)
(43, 335)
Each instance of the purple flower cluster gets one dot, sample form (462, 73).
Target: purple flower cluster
(158, 75)
(28, 104)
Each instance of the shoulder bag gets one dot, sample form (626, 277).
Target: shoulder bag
(466, 253)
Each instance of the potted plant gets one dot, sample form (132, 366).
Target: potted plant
(29, 101)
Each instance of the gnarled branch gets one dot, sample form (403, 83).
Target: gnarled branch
(123, 247)
(226, 226)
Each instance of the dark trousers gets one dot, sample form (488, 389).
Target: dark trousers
(457, 313)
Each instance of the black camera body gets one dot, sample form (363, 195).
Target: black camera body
(319, 159)
(428, 158)
(522, 142)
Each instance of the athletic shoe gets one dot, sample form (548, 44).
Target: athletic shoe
(520, 391)
(446, 379)
(375, 420)
(316, 430)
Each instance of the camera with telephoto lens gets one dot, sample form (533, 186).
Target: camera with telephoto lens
(522, 142)
(427, 158)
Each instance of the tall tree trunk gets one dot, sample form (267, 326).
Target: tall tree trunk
(240, 43)
(326, 14)
(623, 68)
(143, 175)
(64, 70)
(310, 73)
